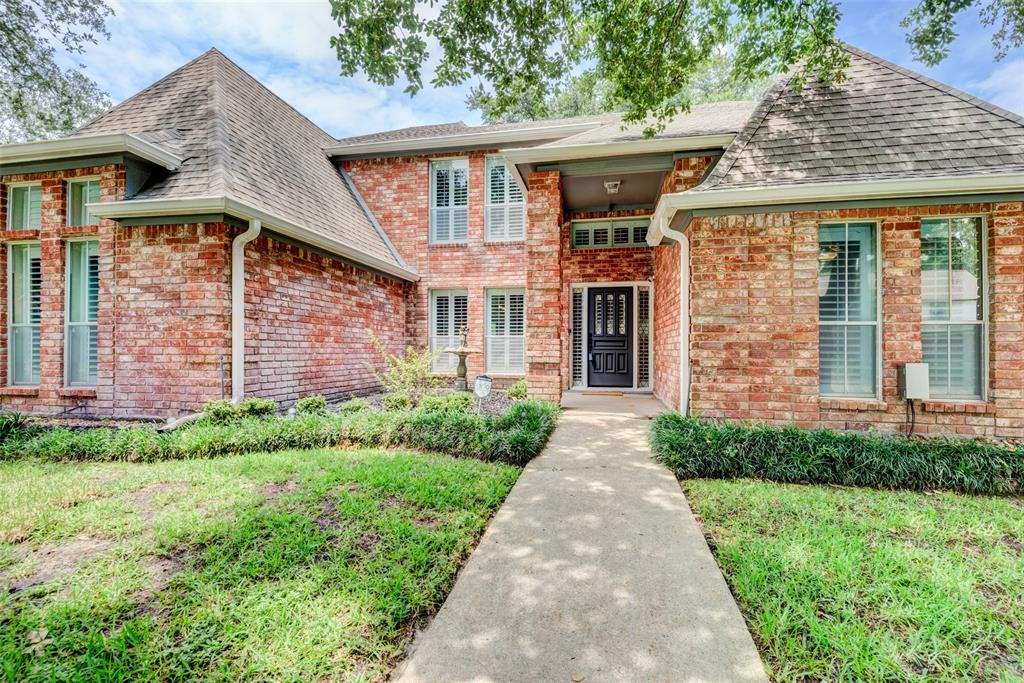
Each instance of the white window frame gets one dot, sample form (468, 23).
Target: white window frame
(983, 250)
(635, 285)
(444, 363)
(502, 233)
(10, 203)
(10, 311)
(84, 180)
(587, 225)
(462, 162)
(878, 323)
(67, 310)
(507, 369)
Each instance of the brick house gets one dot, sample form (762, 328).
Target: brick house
(775, 261)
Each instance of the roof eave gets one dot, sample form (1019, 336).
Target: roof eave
(480, 139)
(89, 145)
(890, 188)
(185, 206)
(535, 155)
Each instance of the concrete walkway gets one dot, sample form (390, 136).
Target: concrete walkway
(594, 569)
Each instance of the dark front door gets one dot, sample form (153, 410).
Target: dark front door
(610, 337)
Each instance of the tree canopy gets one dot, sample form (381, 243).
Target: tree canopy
(39, 98)
(526, 57)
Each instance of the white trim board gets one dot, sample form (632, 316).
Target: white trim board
(187, 206)
(89, 145)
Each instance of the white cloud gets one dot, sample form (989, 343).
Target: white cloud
(1005, 86)
(285, 45)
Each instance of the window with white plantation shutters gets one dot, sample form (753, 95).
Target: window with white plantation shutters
(848, 310)
(953, 306)
(80, 193)
(506, 211)
(505, 331)
(25, 204)
(449, 201)
(83, 288)
(24, 285)
(449, 314)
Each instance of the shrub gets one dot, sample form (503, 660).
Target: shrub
(518, 391)
(257, 407)
(411, 374)
(219, 411)
(459, 402)
(353, 405)
(12, 423)
(696, 448)
(396, 401)
(514, 438)
(314, 404)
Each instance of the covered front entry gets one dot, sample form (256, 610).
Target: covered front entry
(610, 336)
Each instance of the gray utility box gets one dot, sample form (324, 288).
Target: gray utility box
(912, 381)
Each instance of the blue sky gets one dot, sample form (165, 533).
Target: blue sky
(285, 45)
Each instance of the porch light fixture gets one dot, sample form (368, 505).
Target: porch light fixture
(612, 186)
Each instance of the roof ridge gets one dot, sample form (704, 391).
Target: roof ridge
(739, 143)
(938, 85)
(227, 60)
(218, 142)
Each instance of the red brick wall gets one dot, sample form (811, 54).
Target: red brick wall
(172, 314)
(397, 190)
(687, 173)
(163, 309)
(754, 336)
(307, 323)
(666, 324)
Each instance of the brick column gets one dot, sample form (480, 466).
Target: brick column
(1006, 317)
(543, 285)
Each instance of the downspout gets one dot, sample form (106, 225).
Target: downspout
(684, 312)
(238, 308)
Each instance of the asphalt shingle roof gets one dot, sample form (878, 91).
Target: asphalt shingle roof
(440, 130)
(714, 118)
(240, 139)
(883, 121)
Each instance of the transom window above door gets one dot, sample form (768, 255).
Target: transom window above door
(615, 232)
(449, 201)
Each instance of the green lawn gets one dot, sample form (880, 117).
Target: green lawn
(847, 584)
(306, 566)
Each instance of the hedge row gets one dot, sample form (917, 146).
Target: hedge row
(514, 438)
(697, 448)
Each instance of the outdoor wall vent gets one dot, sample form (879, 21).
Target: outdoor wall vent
(912, 381)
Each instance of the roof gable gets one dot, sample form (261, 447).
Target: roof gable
(240, 139)
(883, 121)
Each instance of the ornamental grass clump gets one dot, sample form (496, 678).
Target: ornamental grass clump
(698, 448)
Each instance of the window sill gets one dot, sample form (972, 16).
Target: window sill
(19, 391)
(18, 235)
(77, 392)
(851, 404)
(972, 407)
(447, 245)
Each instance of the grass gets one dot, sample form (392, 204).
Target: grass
(310, 565)
(862, 585)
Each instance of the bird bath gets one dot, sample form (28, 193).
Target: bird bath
(462, 351)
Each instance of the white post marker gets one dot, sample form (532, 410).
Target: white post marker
(482, 388)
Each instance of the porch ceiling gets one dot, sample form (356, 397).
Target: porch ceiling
(635, 190)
